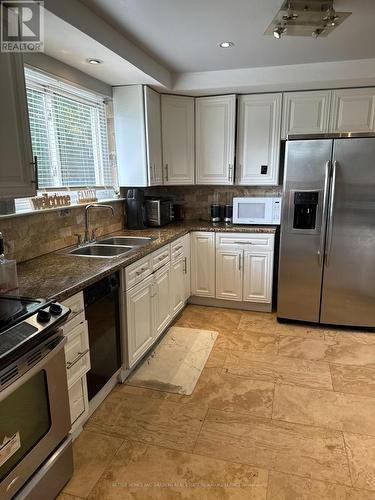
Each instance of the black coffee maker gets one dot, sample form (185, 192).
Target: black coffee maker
(135, 209)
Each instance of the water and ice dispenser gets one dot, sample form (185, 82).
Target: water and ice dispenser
(305, 209)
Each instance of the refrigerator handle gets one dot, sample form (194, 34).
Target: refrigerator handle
(330, 217)
(324, 213)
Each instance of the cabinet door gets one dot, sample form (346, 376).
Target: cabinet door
(259, 131)
(215, 133)
(229, 274)
(177, 286)
(140, 331)
(161, 295)
(187, 266)
(203, 264)
(17, 173)
(130, 126)
(353, 110)
(153, 137)
(177, 114)
(257, 277)
(306, 112)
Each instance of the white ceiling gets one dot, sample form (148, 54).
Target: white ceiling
(183, 34)
(71, 46)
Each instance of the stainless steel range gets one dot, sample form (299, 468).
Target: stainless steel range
(35, 450)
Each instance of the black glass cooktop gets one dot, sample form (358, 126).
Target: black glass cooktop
(13, 310)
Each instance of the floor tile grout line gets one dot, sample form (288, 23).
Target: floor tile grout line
(347, 458)
(200, 429)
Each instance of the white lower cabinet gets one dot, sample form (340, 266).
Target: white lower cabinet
(203, 264)
(77, 356)
(178, 286)
(161, 299)
(153, 296)
(140, 323)
(258, 271)
(229, 274)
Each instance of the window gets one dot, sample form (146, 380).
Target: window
(69, 134)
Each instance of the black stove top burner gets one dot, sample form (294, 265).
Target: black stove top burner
(15, 309)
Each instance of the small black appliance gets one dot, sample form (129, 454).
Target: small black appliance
(135, 209)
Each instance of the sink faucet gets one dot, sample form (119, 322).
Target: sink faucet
(86, 238)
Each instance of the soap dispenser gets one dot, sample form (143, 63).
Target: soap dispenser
(8, 272)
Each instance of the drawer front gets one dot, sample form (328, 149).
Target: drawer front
(76, 305)
(256, 241)
(161, 257)
(78, 399)
(77, 353)
(137, 272)
(177, 250)
(70, 325)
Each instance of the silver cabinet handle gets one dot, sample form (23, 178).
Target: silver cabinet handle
(331, 208)
(230, 172)
(324, 212)
(177, 248)
(244, 243)
(240, 262)
(185, 265)
(79, 356)
(166, 172)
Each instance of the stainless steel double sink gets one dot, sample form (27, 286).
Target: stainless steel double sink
(113, 246)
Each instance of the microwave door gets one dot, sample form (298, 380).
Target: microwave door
(253, 212)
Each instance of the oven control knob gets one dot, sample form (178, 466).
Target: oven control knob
(43, 316)
(55, 309)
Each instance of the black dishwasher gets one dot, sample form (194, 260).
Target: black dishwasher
(103, 315)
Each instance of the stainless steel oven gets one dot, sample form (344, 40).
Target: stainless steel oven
(35, 452)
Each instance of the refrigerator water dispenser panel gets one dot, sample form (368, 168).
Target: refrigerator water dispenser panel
(305, 208)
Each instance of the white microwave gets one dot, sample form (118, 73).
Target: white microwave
(255, 210)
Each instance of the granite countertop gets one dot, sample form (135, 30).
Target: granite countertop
(59, 275)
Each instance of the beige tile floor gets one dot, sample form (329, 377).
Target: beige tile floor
(280, 412)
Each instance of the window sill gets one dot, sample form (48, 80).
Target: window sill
(56, 209)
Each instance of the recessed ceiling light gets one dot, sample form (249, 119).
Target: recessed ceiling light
(226, 45)
(91, 60)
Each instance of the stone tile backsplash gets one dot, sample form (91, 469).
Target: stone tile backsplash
(198, 199)
(33, 234)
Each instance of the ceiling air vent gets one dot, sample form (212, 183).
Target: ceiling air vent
(314, 18)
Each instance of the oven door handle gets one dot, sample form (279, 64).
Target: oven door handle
(34, 370)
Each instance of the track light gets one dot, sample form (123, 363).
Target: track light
(280, 30)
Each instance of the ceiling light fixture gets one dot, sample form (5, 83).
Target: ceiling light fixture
(226, 45)
(317, 18)
(91, 60)
(280, 30)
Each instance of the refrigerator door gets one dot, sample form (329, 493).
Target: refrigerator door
(306, 186)
(348, 292)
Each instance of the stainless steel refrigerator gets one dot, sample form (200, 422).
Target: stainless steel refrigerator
(327, 245)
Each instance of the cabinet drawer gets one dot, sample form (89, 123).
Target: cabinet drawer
(76, 305)
(77, 353)
(137, 272)
(160, 257)
(255, 240)
(78, 401)
(177, 249)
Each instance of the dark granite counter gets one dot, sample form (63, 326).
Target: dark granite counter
(59, 275)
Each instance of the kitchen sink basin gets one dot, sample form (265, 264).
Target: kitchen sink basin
(101, 250)
(132, 241)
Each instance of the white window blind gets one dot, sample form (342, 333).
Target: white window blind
(68, 133)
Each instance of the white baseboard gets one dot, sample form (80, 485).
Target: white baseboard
(230, 304)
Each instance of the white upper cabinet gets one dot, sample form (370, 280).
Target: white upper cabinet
(259, 126)
(306, 112)
(153, 136)
(214, 138)
(353, 110)
(138, 136)
(177, 114)
(17, 171)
